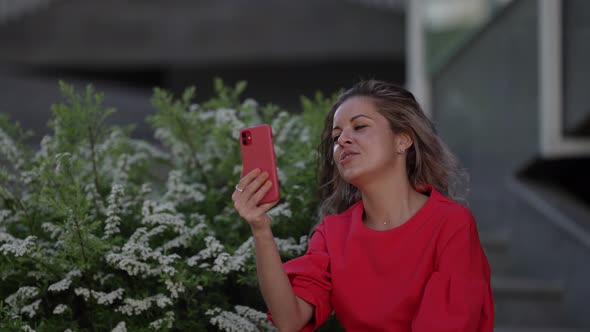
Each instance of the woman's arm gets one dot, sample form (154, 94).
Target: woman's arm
(289, 312)
(458, 296)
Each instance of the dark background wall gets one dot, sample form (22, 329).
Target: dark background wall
(284, 49)
(576, 66)
(485, 106)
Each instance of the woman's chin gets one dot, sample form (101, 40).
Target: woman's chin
(351, 176)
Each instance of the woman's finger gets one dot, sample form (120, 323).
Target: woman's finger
(263, 208)
(246, 179)
(255, 185)
(259, 194)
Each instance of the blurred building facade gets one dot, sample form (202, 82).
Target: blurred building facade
(510, 97)
(284, 49)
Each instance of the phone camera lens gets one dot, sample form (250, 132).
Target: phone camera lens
(243, 134)
(245, 142)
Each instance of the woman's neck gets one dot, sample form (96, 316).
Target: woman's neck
(390, 202)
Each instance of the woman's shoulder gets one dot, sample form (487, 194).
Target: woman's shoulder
(342, 219)
(455, 214)
(344, 215)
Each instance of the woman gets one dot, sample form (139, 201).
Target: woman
(393, 252)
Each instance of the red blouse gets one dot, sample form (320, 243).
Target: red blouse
(430, 274)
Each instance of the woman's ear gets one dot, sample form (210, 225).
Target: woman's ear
(404, 142)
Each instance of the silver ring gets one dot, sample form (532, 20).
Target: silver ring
(238, 188)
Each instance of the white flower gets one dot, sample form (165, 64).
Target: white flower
(38, 275)
(27, 328)
(7, 273)
(107, 298)
(220, 263)
(281, 210)
(193, 107)
(65, 283)
(19, 247)
(244, 319)
(174, 288)
(304, 135)
(121, 171)
(174, 220)
(127, 263)
(60, 286)
(165, 322)
(184, 239)
(249, 102)
(300, 164)
(213, 248)
(12, 217)
(92, 196)
(181, 192)
(21, 295)
(113, 210)
(47, 145)
(255, 316)
(8, 149)
(224, 116)
(146, 149)
(100, 297)
(133, 307)
(231, 322)
(179, 148)
(278, 151)
(225, 263)
(84, 292)
(102, 277)
(62, 159)
(121, 327)
(5, 237)
(28, 176)
(290, 246)
(146, 189)
(161, 300)
(281, 175)
(136, 255)
(4, 214)
(150, 207)
(31, 309)
(60, 309)
(53, 230)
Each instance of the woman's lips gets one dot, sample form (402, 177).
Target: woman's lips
(346, 157)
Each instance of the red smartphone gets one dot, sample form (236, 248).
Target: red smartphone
(258, 152)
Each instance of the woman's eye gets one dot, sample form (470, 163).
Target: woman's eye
(359, 127)
(335, 138)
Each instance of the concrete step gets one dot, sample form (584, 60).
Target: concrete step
(535, 329)
(527, 302)
(496, 247)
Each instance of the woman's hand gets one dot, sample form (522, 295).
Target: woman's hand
(249, 191)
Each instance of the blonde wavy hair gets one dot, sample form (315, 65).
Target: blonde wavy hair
(428, 160)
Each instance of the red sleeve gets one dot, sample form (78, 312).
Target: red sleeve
(458, 295)
(310, 278)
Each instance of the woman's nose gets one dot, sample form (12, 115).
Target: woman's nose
(344, 139)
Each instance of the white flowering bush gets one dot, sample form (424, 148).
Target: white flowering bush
(103, 232)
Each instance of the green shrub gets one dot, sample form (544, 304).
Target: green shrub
(100, 231)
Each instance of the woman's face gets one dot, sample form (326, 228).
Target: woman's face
(365, 147)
